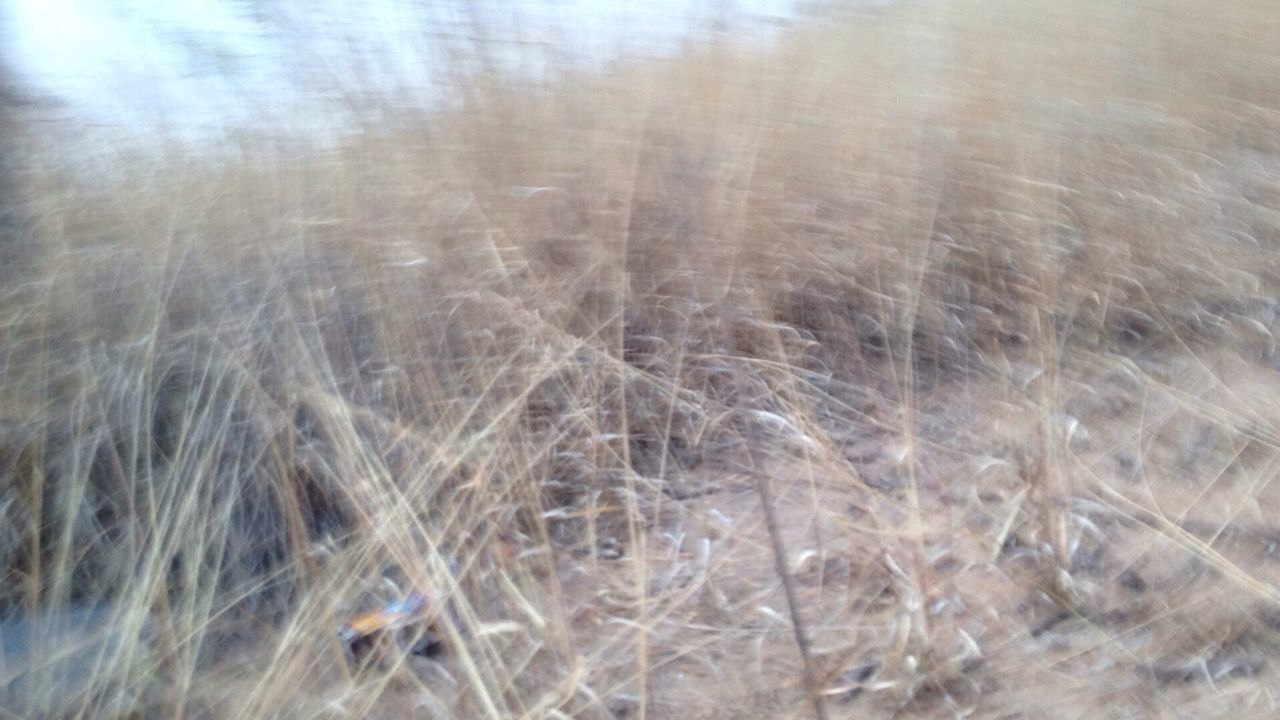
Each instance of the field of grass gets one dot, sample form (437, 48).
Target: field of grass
(923, 365)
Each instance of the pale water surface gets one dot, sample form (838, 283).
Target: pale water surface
(201, 69)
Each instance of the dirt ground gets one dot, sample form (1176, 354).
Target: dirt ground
(923, 580)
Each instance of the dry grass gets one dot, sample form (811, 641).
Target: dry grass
(980, 296)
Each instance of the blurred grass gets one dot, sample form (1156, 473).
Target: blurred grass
(986, 289)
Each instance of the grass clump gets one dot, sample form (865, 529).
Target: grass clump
(933, 341)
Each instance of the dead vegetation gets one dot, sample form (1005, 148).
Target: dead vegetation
(977, 299)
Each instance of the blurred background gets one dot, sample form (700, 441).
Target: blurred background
(206, 70)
